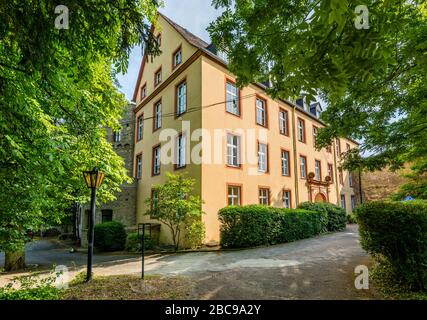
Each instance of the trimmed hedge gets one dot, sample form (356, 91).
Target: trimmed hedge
(110, 236)
(397, 231)
(336, 216)
(253, 225)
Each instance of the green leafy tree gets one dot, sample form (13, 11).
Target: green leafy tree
(373, 80)
(57, 93)
(174, 205)
(416, 185)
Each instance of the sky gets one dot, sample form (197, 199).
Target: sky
(194, 15)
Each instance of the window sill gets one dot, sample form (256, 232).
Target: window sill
(177, 115)
(233, 167)
(234, 114)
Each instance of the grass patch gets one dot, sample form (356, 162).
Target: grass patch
(130, 287)
(389, 286)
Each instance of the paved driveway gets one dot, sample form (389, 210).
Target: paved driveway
(46, 253)
(316, 268)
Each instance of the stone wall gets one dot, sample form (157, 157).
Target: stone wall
(380, 185)
(124, 207)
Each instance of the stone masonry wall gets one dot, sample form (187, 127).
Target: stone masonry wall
(380, 185)
(124, 207)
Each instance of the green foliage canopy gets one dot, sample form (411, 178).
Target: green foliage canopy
(56, 94)
(373, 80)
(416, 185)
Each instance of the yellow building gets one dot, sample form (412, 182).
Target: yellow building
(241, 146)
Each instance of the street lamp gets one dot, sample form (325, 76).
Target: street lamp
(93, 181)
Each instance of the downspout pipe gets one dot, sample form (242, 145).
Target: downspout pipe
(294, 143)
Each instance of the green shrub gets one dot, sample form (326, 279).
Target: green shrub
(30, 288)
(253, 225)
(195, 233)
(80, 278)
(397, 232)
(133, 243)
(351, 218)
(336, 220)
(110, 236)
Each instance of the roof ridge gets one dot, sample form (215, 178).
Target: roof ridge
(188, 35)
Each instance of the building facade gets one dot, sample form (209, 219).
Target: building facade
(123, 209)
(240, 145)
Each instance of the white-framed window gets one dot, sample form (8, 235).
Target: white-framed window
(233, 195)
(315, 132)
(343, 201)
(286, 198)
(232, 98)
(261, 112)
(157, 115)
(264, 196)
(353, 202)
(303, 167)
(177, 58)
(143, 91)
(301, 130)
(156, 160)
(139, 166)
(262, 157)
(117, 136)
(283, 122)
(140, 130)
(331, 171)
(233, 150)
(180, 151)
(181, 93)
(338, 146)
(318, 170)
(350, 179)
(285, 163)
(158, 77)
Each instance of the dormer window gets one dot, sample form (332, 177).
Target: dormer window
(177, 58)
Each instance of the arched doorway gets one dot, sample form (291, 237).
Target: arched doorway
(320, 197)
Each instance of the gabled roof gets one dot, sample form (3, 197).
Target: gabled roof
(187, 35)
(190, 37)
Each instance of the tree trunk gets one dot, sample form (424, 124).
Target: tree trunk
(14, 260)
(178, 232)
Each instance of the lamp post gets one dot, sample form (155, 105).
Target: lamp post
(93, 181)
